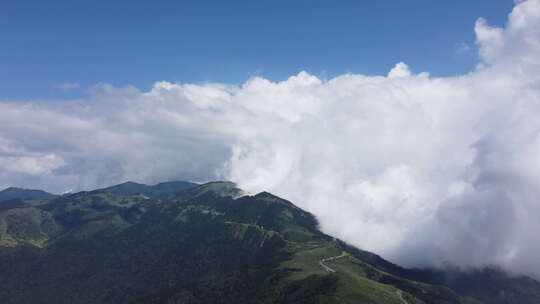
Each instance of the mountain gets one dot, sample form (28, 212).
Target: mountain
(159, 190)
(206, 244)
(19, 193)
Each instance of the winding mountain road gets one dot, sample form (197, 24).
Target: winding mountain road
(325, 267)
(400, 295)
(343, 254)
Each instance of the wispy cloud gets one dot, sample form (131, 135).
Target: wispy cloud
(463, 48)
(67, 86)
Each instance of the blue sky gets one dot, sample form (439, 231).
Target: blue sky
(45, 44)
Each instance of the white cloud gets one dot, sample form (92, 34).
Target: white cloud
(32, 165)
(422, 170)
(463, 48)
(400, 70)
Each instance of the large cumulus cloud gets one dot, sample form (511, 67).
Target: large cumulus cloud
(425, 171)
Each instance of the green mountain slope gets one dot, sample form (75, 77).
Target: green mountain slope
(19, 193)
(159, 190)
(206, 244)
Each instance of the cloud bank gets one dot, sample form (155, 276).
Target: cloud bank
(425, 171)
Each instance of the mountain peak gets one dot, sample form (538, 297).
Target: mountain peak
(130, 183)
(265, 194)
(159, 190)
(219, 188)
(21, 193)
(269, 197)
(10, 189)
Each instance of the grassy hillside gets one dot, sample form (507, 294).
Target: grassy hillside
(205, 244)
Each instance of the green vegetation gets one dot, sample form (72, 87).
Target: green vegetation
(155, 191)
(205, 244)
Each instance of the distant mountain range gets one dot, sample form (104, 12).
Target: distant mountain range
(127, 188)
(19, 193)
(180, 242)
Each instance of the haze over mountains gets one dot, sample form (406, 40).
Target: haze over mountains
(18, 193)
(209, 243)
(127, 188)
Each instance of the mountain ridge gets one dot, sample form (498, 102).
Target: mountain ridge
(22, 193)
(157, 190)
(208, 243)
